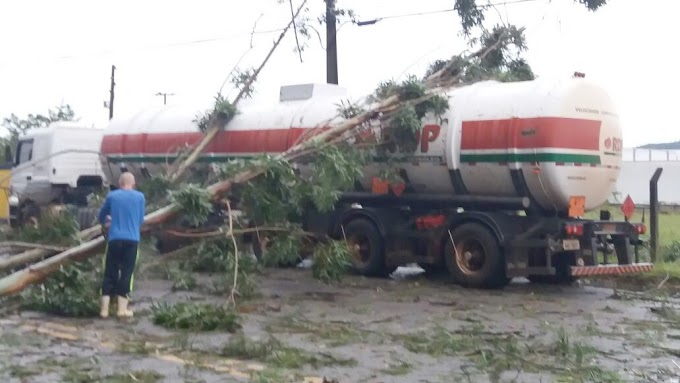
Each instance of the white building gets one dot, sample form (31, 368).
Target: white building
(637, 169)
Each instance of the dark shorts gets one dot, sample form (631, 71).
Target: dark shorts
(119, 267)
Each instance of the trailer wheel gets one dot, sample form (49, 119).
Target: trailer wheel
(477, 260)
(87, 217)
(366, 246)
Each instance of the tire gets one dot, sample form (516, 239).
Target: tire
(367, 246)
(87, 217)
(485, 266)
(29, 214)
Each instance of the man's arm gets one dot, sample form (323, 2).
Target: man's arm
(142, 210)
(104, 211)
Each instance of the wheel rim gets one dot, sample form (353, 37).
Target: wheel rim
(470, 256)
(360, 248)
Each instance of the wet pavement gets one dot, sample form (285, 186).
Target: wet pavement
(410, 328)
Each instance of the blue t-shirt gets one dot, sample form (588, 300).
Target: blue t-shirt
(126, 208)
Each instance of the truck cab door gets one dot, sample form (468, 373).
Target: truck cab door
(22, 171)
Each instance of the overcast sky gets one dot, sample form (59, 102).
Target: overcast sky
(62, 51)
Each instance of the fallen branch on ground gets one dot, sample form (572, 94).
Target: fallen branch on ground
(32, 245)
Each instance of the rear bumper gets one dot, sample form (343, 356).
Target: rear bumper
(585, 271)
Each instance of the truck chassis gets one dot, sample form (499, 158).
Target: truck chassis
(482, 242)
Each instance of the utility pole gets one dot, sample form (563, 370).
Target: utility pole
(165, 96)
(113, 85)
(331, 44)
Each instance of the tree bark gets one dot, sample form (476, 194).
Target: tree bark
(32, 245)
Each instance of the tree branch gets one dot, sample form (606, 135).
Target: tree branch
(231, 73)
(297, 41)
(216, 125)
(230, 233)
(32, 245)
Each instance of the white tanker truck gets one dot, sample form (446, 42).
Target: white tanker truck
(497, 188)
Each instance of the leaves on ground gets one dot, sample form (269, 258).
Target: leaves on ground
(195, 317)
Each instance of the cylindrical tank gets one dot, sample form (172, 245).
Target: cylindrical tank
(547, 139)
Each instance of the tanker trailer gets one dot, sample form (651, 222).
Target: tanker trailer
(497, 188)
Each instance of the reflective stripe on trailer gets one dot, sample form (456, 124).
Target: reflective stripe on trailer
(580, 271)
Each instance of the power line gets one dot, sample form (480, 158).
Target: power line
(373, 21)
(152, 47)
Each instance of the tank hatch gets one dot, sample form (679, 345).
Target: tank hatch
(300, 92)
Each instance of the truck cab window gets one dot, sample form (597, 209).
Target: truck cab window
(24, 152)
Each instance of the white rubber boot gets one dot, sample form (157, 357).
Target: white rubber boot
(123, 311)
(104, 304)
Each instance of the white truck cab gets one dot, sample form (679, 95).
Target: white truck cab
(55, 165)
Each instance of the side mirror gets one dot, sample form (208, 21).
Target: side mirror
(8, 155)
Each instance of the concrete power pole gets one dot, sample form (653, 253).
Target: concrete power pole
(331, 44)
(113, 85)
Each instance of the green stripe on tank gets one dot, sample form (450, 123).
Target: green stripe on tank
(532, 157)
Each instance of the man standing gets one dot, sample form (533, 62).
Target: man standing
(125, 207)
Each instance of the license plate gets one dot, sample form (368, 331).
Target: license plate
(609, 228)
(571, 244)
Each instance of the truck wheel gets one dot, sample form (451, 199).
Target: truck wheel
(477, 260)
(366, 246)
(87, 217)
(29, 215)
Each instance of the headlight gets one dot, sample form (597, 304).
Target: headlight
(13, 200)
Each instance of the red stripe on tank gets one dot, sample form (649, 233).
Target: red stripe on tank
(529, 133)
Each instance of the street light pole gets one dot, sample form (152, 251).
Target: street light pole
(165, 96)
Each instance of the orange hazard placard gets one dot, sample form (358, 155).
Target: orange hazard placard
(577, 206)
(380, 186)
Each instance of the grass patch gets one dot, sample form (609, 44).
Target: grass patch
(666, 272)
(195, 317)
(333, 334)
(136, 347)
(278, 355)
(46, 366)
(270, 375)
(22, 372)
(493, 354)
(141, 376)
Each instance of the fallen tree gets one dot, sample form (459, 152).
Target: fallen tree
(396, 99)
(219, 117)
